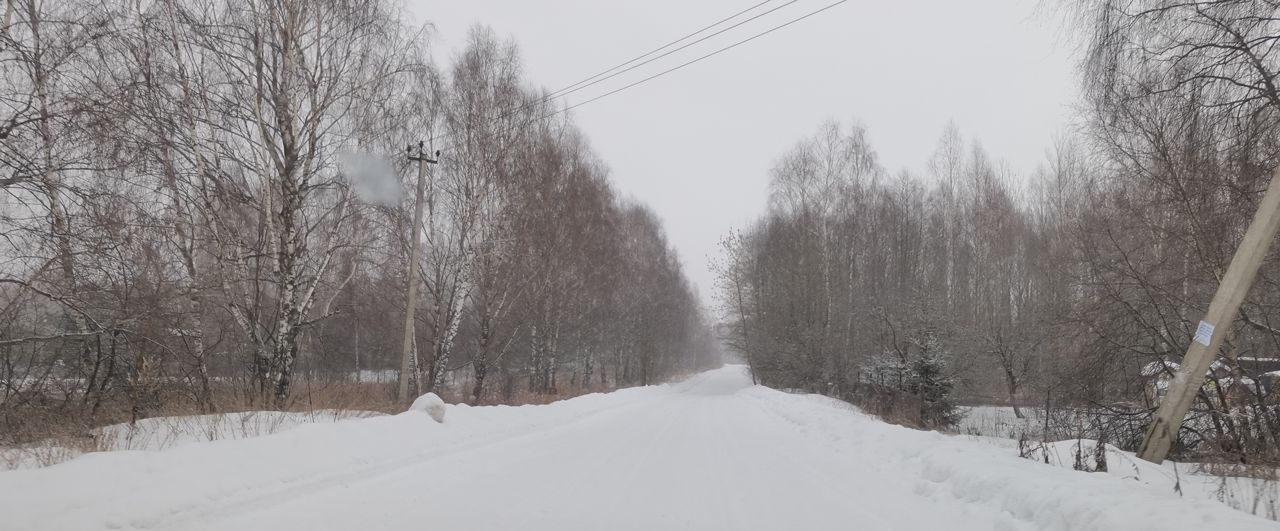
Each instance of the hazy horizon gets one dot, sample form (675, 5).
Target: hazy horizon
(682, 143)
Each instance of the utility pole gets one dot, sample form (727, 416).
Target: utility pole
(411, 293)
(1223, 309)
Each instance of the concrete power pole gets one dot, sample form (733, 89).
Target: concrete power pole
(1223, 309)
(411, 293)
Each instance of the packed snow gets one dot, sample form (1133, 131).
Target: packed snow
(710, 453)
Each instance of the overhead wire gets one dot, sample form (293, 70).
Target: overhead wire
(658, 49)
(574, 88)
(721, 50)
(611, 72)
(664, 72)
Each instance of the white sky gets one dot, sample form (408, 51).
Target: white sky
(696, 144)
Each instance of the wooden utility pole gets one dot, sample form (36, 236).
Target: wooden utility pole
(411, 293)
(1204, 347)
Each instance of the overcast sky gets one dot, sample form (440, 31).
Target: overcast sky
(696, 145)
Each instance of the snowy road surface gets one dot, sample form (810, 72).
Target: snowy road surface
(713, 452)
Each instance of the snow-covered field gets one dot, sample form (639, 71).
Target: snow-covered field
(1000, 421)
(713, 452)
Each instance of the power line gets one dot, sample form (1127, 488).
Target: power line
(596, 79)
(674, 68)
(660, 48)
(570, 89)
(726, 48)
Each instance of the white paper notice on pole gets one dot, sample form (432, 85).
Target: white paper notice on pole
(1204, 333)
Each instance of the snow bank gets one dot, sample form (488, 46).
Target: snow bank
(1046, 496)
(181, 486)
(431, 405)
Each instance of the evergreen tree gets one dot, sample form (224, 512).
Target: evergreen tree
(927, 378)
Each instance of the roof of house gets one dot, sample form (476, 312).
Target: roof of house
(1159, 367)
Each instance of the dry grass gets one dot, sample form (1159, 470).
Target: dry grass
(890, 405)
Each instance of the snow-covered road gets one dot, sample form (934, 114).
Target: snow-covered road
(712, 452)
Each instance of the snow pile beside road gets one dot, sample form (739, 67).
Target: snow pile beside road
(950, 467)
(431, 405)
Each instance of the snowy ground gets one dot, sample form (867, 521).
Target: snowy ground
(999, 426)
(713, 452)
(1000, 421)
(167, 432)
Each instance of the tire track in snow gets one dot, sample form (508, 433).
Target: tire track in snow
(268, 495)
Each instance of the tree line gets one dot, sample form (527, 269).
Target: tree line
(205, 201)
(1058, 289)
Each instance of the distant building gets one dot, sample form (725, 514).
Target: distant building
(1158, 376)
(1258, 377)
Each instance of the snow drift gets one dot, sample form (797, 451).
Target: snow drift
(431, 405)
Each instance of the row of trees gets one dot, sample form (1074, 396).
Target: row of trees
(855, 277)
(1056, 287)
(199, 193)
